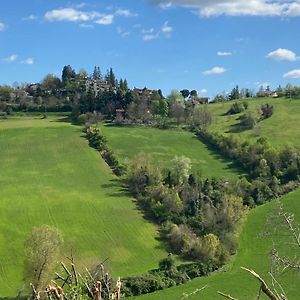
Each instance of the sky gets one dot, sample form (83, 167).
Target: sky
(206, 45)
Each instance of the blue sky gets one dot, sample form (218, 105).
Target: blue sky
(207, 45)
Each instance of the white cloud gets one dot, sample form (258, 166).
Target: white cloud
(86, 26)
(123, 32)
(30, 18)
(2, 26)
(28, 61)
(208, 8)
(125, 13)
(292, 74)
(165, 5)
(71, 14)
(147, 31)
(150, 37)
(105, 20)
(166, 28)
(74, 14)
(215, 71)
(221, 53)
(203, 91)
(264, 84)
(282, 54)
(11, 58)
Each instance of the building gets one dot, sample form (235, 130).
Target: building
(204, 100)
(119, 115)
(97, 86)
(143, 94)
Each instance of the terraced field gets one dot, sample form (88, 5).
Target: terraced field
(164, 145)
(49, 175)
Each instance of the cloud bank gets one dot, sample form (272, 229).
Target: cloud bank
(208, 8)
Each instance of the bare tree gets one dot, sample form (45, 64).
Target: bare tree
(284, 234)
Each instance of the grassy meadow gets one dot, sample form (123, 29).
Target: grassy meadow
(49, 175)
(282, 128)
(164, 145)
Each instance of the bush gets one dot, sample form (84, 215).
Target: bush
(81, 120)
(266, 111)
(160, 279)
(237, 108)
(248, 120)
(99, 142)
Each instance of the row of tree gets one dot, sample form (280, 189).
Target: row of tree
(198, 217)
(272, 171)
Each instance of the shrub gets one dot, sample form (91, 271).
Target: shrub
(237, 108)
(248, 120)
(266, 111)
(81, 120)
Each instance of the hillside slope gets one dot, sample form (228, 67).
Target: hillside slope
(282, 128)
(164, 145)
(49, 175)
(253, 253)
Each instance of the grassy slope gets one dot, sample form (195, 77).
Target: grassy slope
(163, 145)
(253, 253)
(280, 129)
(49, 175)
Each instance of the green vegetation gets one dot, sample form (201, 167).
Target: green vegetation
(164, 145)
(49, 175)
(280, 129)
(254, 251)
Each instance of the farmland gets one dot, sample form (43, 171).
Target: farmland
(164, 145)
(49, 175)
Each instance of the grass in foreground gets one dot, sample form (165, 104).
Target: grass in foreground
(49, 175)
(164, 145)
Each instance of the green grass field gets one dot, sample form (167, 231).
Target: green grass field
(281, 129)
(164, 145)
(253, 253)
(49, 175)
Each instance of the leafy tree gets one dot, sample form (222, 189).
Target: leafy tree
(237, 108)
(209, 246)
(42, 249)
(142, 174)
(51, 83)
(163, 108)
(68, 74)
(201, 118)
(194, 94)
(181, 167)
(175, 97)
(185, 93)
(177, 111)
(248, 120)
(235, 93)
(167, 263)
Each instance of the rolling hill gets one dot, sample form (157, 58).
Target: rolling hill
(49, 175)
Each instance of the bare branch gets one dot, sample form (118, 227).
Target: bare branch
(264, 287)
(227, 296)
